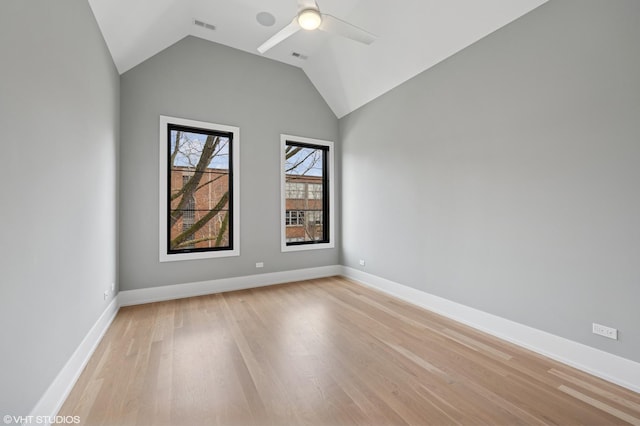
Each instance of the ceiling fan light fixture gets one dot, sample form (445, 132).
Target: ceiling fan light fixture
(309, 19)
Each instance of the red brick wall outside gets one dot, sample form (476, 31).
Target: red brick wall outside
(307, 201)
(208, 195)
(205, 199)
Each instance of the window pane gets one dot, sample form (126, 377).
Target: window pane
(305, 184)
(295, 190)
(315, 191)
(199, 188)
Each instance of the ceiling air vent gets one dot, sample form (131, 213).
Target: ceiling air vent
(204, 25)
(299, 55)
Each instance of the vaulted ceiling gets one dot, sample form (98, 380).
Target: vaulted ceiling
(412, 36)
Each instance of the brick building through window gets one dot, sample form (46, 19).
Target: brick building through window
(304, 208)
(213, 185)
(304, 214)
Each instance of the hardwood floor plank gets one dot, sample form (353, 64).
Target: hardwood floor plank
(611, 396)
(325, 352)
(601, 405)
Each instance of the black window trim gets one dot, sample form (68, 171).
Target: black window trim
(230, 227)
(325, 193)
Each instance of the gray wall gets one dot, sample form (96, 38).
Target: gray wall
(200, 80)
(507, 177)
(59, 101)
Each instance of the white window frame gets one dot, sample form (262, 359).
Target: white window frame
(235, 158)
(283, 194)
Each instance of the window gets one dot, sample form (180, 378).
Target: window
(314, 217)
(294, 218)
(296, 190)
(307, 193)
(198, 190)
(315, 191)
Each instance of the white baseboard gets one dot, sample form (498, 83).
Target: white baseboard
(55, 395)
(612, 368)
(179, 291)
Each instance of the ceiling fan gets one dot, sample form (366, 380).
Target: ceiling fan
(309, 18)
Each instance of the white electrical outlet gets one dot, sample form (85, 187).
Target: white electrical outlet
(105, 295)
(113, 287)
(259, 264)
(362, 262)
(605, 331)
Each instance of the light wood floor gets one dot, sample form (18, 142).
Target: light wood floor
(325, 352)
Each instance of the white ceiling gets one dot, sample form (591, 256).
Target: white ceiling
(413, 35)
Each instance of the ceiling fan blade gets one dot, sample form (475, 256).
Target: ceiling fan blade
(333, 25)
(280, 36)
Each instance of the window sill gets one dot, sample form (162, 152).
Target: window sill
(199, 255)
(304, 247)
